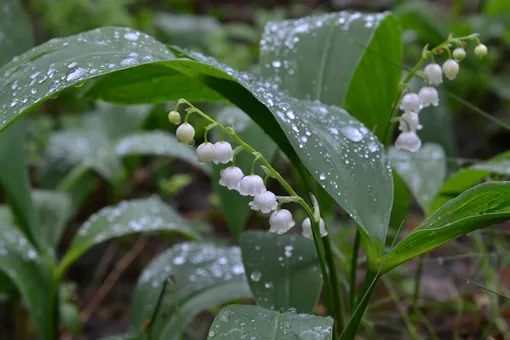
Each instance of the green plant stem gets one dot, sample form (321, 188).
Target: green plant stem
(353, 271)
(155, 312)
(325, 255)
(71, 178)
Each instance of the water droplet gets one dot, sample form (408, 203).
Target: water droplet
(352, 133)
(268, 285)
(133, 36)
(211, 333)
(276, 63)
(178, 260)
(76, 74)
(128, 62)
(322, 177)
(255, 276)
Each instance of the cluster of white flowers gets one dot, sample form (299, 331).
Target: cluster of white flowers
(233, 178)
(412, 103)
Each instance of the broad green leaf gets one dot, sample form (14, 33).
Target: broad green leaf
(484, 205)
(346, 49)
(87, 145)
(282, 270)
(400, 209)
(205, 276)
(128, 217)
(120, 121)
(335, 148)
(15, 38)
(249, 322)
(235, 207)
(22, 264)
(466, 178)
(187, 30)
(423, 172)
(15, 30)
(54, 210)
(15, 182)
(157, 143)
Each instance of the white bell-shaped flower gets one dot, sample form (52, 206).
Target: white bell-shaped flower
(429, 96)
(185, 133)
(307, 228)
(481, 51)
(231, 177)
(410, 102)
(205, 152)
(223, 152)
(450, 69)
(281, 221)
(408, 140)
(264, 202)
(251, 185)
(410, 122)
(434, 74)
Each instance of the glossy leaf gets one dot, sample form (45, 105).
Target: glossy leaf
(466, 178)
(335, 148)
(15, 182)
(282, 270)
(119, 121)
(484, 205)
(128, 217)
(205, 276)
(157, 143)
(235, 207)
(423, 172)
(54, 210)
(245, 322)
(346, 49)
(23, 265)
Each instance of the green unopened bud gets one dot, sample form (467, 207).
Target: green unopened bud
(174, 117)
(481, 51)
(459, 53)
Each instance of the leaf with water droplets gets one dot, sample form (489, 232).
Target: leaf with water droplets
(466, 178)
(205, 276)
(479, 207)
(282, 270)
(128, 217)
(54, 211)
(354, 56)
(23, 265)
(424, 172)
(157, 143)
(235, 207)
(250, 322)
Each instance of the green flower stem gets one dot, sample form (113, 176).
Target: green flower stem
(354, 266)
(426, 54)
(326, 259)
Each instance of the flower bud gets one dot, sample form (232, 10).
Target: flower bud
(408, 141)
(307, 228)
(428, 96)
(205, 152)
(185, 133)
(251, 185)
(410, 102)
(174, 117)
(481, 51)
(459, 53)
(231, 177)
(434, 74)
(223, 152)
(450, 69)
(265, 202)
(281, 221)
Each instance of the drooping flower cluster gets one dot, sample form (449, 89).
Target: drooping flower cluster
(412, 103)
(233, 178)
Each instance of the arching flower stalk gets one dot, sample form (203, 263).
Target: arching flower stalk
(412, 103)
